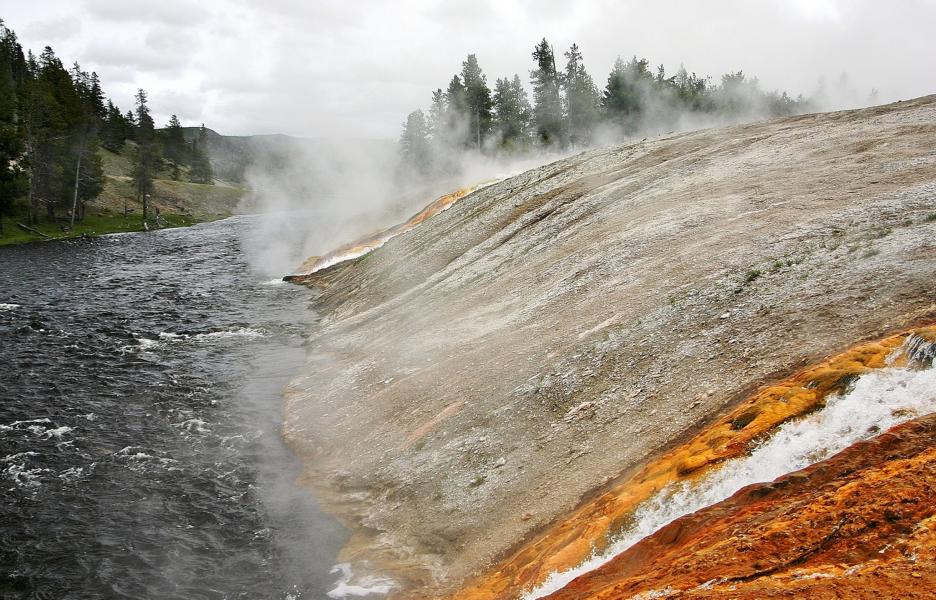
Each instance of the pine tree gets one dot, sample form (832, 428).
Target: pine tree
(89, 177)
(130, 125)
(174, 141)
(624, 96)
(503, 110)
(441, 137)
(582, 98)
(524, 109)
(11, 48)
(414, 144)
(692, 91)
(436, 119)
(547, 104)
(47, 96)
(146, 157)
(53, 122)
(737, 96)
(201, 171)
(512, 114)
(478, 102)
(97, 97)
(114, 129)
(84, 159)
(456, 114)
(12, 180)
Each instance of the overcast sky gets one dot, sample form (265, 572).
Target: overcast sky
(327, 68)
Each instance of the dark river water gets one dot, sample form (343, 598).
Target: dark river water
(140, 398)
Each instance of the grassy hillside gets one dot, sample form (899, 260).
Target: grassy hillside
(179, 202)
(192, 200)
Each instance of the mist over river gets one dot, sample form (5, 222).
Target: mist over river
(141, 382)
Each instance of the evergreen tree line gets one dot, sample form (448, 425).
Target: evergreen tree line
(53, 124)
(568, 110)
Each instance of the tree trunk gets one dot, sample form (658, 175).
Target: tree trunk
(32, 218)
(33, 202)
(31, 230)
(75, 196)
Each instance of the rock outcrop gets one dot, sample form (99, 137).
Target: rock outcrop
(587, 530)
(477, 378)
(861, 524)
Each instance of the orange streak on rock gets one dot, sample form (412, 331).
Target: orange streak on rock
(429, 425)
(377, 239)
(567, 543)
(860, 524)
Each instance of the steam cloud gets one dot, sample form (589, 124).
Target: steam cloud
(312, 196)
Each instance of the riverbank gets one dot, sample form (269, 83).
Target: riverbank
(475, 380)
(93, 225)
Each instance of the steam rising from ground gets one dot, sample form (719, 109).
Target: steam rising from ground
(316, 195)
(310, 194)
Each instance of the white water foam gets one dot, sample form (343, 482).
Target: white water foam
(146, 345)
(43, 428)
(71, 475)
(194, 426)
(23, 477)
(141, 461)
(57, 432)
(877, 401)
(16, 424)
(165, 337)
(8, 306)
(367, 585)
(245, 332)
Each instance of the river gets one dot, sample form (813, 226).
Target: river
(140, 404)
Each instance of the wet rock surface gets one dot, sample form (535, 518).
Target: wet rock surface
(861, 524)
(478, 377)
(590, 529)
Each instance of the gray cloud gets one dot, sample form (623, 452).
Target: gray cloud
(169, 12)
(330, 68)
(54, 29)
(135, 56)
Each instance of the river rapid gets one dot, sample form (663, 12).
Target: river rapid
(141, 381)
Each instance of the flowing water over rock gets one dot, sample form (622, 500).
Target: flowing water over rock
(874, 403)
(140, 395)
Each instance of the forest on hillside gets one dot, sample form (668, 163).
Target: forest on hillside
(568, 110)
(55, 125)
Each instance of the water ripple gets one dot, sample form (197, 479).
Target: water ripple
(139, 447)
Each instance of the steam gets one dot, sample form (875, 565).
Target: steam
(313, 196)
(737, 98)
(368, 585)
